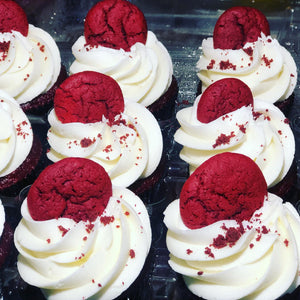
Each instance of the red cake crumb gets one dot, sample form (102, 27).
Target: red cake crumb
(116, 24)
(227, 186)
(13, 17)
(209, 252)
(88, 96)
(105, 220)
(132, 253)
(89, 227)
(239, 25)
(75, 188)
(63, 230)
(223, 139)
(231, 237)
(222, 97)
(189, 251)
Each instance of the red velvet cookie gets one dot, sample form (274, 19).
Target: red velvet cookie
(228, 186)
(239, 25)
(75, 188)
(88, 96)
(12, 17)
(116, 24)
(222, 97)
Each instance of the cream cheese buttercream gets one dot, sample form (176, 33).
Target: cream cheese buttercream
(265, 66)
(263, 134)
(130, 148)
(16, 136)
(144, 73)
(94, 260)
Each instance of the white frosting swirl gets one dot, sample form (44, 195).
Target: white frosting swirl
(100, 259)
(262, 264)
(127, 150)
(264, 136)
(270, 71)
(144, 73)
(16, 135)
(31, 63)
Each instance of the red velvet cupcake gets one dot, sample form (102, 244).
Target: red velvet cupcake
(86, 238)
(226, 118)
(117, 42)
(229, 238)
(242, 47)
(30, 60)
(90, 119)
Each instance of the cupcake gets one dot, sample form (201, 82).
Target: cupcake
(226, 118)
(116, 42)
(30, 63)
(20, 149)
(229, 237)
(80, 237)
(242, 47)
(91, 120)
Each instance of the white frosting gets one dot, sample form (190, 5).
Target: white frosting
(144, 73)
(99, 263)
(268, 139)
(270, 72)
(2, 218)
(126, 151)
(262, 264)
(16, 135)
(32, 64)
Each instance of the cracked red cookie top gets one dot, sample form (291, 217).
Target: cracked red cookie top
(227, 186)
(12, 17)
(116, 24)
(239, 25)
(222, 97)
(86, 97)
(75, 188)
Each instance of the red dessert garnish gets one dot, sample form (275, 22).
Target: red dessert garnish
(88, 96)
(239, 25)
(228, 186)
(13, 17)
(222, 97)
(116, 24)
(75, 188)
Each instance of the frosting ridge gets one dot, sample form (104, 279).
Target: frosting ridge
(144, 73)
(265, 66)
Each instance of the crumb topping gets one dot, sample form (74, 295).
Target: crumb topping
(4, 47)
(223, 139)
